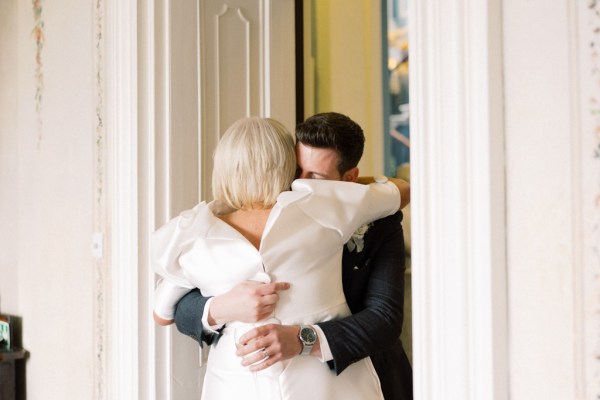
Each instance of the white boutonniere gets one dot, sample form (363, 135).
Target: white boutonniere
(357, 241)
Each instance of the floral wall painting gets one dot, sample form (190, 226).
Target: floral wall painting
(594, 57)
(38, 36)
(588, 40)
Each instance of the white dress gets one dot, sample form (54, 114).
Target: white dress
(302, 244)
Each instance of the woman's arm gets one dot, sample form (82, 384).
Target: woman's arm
(166, 296)
(160, 321)
(403, 187)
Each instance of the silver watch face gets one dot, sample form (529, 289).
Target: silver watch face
(308, 335)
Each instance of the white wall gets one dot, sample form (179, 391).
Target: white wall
(348, 69)
(47, 193)
(546, 193)
(8, 157)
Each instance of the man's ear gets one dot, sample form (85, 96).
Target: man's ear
(351, 175)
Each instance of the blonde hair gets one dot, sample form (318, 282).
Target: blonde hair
(254, 162)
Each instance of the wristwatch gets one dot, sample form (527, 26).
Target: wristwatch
(308, 337)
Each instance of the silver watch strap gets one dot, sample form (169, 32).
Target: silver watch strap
(306, 349)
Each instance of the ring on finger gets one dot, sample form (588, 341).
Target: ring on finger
(265, 354)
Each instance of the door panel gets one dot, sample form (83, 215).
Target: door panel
(247, 64)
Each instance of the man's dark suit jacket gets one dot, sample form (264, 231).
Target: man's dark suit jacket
(373, 282)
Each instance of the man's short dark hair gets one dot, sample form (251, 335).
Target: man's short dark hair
(334, 131)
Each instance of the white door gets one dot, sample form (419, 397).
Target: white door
(247, 67)
(214, 61)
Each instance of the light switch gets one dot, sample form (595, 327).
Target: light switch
(97, 245)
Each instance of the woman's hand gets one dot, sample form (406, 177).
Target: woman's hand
(248, 301)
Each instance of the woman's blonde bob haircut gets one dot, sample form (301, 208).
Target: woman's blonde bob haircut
(254, 162)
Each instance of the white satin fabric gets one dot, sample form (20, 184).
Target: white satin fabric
(302, 244)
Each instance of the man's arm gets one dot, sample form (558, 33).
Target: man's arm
(188, 317)
(377, 320)
(375, 326)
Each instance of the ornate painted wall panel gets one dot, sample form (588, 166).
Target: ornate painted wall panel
(589, 105)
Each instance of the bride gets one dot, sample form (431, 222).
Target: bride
(265, 226)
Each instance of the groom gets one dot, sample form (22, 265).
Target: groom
(329, 146)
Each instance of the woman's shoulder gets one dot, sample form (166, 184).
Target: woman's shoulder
(199, 222)
(328, 188)
(315, 185)
(188, 219)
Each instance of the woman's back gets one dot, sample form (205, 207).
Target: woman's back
(250, 223)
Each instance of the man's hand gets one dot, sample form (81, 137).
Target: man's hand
(249, 301)
(280, 342)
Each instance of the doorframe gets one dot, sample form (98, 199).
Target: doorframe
(459, 270)
(122, 194)
(458, 246)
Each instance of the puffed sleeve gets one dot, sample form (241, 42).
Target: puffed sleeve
(166, 297)
(345, 206)
(168, 243)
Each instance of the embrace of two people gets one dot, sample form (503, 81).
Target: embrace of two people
(294, 273)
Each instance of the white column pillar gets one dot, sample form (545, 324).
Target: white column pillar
(457, 162)
(121, 123)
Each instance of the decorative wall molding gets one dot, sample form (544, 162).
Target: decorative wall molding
(237, 26)
(585, 40)
(458, 254)
(100, 211)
